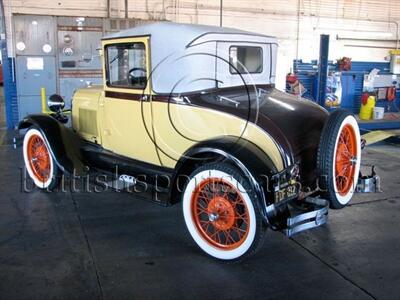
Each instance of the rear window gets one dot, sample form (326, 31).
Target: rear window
(245, 59)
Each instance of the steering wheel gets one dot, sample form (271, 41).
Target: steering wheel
(136, 79)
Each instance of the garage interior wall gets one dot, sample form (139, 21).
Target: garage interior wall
(367, 29)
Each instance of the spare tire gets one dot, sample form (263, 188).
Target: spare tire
(339, 158)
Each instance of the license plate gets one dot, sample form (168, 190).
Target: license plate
(287, 192)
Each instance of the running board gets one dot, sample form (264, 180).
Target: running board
(313, 213)
(124, 182)
(17, 141)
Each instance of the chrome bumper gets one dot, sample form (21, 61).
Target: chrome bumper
(313, 214)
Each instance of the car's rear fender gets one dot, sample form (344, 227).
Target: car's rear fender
(63, 142)
(249, 159)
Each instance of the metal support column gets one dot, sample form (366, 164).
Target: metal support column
(126, 9)
(220, 12)
(322, 68)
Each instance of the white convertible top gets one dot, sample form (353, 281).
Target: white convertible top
(178, 33)
(170, 42)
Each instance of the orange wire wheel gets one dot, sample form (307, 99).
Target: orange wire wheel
(39, 158)
(220, 214)
(345, 160)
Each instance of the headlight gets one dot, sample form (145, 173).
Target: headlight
(56, 103)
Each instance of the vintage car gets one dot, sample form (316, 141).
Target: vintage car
(192, 112)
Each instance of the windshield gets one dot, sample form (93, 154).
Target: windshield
(126, 65)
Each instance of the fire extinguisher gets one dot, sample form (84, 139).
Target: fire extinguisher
(364, 98)
(391, 93)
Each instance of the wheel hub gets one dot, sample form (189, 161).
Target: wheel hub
(221, 213)
(353, 161)
(213, 217)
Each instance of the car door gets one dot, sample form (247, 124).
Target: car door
(126, 112)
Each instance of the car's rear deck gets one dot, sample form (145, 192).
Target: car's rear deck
(117, 246)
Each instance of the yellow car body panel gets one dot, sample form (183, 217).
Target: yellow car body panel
(85, 114)
(144, 129)
(196, 124)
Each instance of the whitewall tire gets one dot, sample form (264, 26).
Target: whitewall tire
(220, 213)
(339, 158)
(39, 162)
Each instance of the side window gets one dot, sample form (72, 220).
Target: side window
(245, 59)
(126, 65)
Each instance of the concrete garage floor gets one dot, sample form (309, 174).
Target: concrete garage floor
(114, 246)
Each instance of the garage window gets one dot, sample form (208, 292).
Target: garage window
(245, 59)
(126, 65)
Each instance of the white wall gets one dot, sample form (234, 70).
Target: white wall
(296, 23)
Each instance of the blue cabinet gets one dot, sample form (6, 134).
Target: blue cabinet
(352, 85)
(348, 91)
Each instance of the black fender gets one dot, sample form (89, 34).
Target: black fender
(65, 145)
(254, 164)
